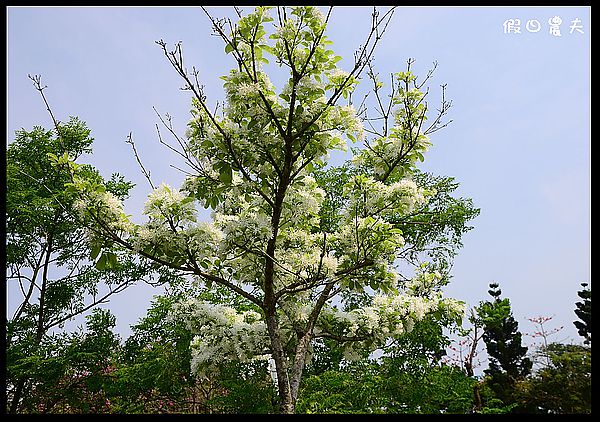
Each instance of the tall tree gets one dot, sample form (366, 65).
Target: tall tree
(584, 312)
(507, 356)
(50, 260)
(310, 251)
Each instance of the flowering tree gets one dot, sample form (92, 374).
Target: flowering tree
(311, 251)
(540, 337)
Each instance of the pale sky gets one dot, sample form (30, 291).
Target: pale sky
(519, 144)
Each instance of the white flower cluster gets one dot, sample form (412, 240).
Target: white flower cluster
(287, 30)
(396, 145)
(251, 227)
(248, 101)
(452, 307)
(346, 119)
(337, 76)
(404, 143)
(424, 283)
(309, 19)
(313, 15)
(303, 201)
(222, 334)
(388, 316)
(301, 258)
(297, 309)
(307, 86)
(166, 203)
(247, 89)
(172, 227)
(106, 207)
(151, 233)
(406, 193)
(369, 197)
(203, 241)
(305, 264)
(411, 102)
(199, 129)
(326, 133)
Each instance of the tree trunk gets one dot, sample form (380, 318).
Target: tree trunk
(477, 397)
(39, 334)
(14, 405)
(283, 383)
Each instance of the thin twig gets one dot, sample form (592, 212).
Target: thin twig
(145, 172)
(37, 82)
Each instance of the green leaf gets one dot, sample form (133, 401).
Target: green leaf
(95, 251)
(267, 48)
(111, 260)
(101, 263)
(225, 174)
(52, 157)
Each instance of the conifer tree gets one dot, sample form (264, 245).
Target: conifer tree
(507, 356)
(584, 312)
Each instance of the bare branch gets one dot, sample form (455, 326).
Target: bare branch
(37, 83)
(145, 172)
(362, 57)
(445, 106)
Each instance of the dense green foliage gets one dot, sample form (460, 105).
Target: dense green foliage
(584, 313)
(66, 372)
(50, 261)
(563, 386)
(407, 378)
(507, 356)
(91, 371)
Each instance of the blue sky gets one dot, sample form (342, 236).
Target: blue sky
(519, 144)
